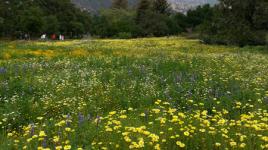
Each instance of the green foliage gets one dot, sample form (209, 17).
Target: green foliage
(113, 22)
(39, 16)
(51, 24)
(31, 20)
(152, 18)
(120, 4)
(238, 22)
(124, 35)
(199, 15)
(161, 6)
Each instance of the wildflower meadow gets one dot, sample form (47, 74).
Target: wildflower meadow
(151, 93)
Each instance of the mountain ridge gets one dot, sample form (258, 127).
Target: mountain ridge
(176, 5)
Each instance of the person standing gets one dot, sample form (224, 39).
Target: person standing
(43, 37)
(53, 37)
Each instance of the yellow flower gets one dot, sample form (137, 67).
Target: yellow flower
(109, 129)
(158, 102)
(42, 134)
(16, 141)
(79, 148)
(186, 133)
(204, 113)
(127, 139)
(141, 142)
(29, 140)
(58, 147)
(39, 118)
(202, 130)
(123, 116)
(130, 109)
(156, 110)
(171, 111)
(112, 113)
(163, 120)
(142, 114)
(9, 134)
(154, 137)
(180, 144)
(233, 144)
(67, 147)
(217, 144)
(157, 147)
(39, 148)
(68, 129)
(242, 145)
(56, 139)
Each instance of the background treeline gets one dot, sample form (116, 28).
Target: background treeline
(236, 22)
(149, 18)
(35, 17)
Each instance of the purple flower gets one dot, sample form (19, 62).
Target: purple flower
(44, 143)
(98, 120)
(80, 118)
(88, 117)
(32, 129)
(3, 70)
(68, 123)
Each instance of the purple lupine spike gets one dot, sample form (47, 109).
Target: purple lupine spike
(3, 70)
(60, 134)
(129, 72)
(266, 100)
(44, 143)
(88, 117)
(80, 118)
(32, 129)
(30, 89)
(146, 115)
(98, 121)
(68, 124)
(16, 70)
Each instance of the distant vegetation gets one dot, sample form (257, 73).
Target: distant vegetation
(233, 22)
(36, 17)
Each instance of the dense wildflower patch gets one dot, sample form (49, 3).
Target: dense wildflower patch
(155, 93)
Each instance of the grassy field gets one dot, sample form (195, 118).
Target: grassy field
(155, 93)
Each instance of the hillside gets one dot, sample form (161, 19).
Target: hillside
(177, 5)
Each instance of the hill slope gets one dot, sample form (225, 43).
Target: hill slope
(177, 5)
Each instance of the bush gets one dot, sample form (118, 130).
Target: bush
(124, 35)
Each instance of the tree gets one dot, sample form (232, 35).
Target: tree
(77, 29)
(51, 24)
(177, 23)
(161, 6)
(37, 16)
(199, 15)
(238, 22)
(31, 21)
(144, 7)
(114, 23)
(120, 4)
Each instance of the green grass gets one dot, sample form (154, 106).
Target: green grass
(218, 94)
